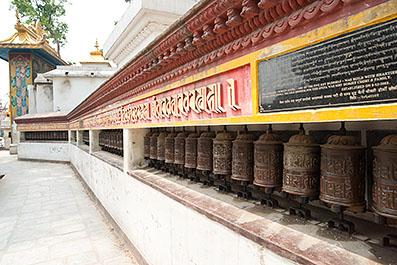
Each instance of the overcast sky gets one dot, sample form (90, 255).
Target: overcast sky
(87, 20)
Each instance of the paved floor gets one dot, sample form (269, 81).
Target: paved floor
(46, 218)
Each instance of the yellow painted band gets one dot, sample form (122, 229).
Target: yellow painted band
(374, 15)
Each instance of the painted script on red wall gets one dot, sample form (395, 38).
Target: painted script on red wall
(224, 95)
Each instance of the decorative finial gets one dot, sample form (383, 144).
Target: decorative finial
(17, 16)
(96, 44)
(97, 51)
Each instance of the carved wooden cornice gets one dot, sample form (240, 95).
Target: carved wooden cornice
(215, 31)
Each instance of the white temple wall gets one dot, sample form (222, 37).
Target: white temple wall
(48, 151)
(141, 23)
(157, 225)
(69, 92)
(44, 98)
(160, 227)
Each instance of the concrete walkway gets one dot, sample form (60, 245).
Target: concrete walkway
(46, 218)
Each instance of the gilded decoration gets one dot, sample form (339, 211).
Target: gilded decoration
(31, 36)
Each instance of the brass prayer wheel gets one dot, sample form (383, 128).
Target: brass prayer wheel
(191, 150)
(146, 144)
(384, 189)
(222, 153)
(169, 147)
(343, 171)
(301, 165)
(179, 148)
(204, 151)
(243, 157)
(268, 160)
(153, 145)
(161, 146)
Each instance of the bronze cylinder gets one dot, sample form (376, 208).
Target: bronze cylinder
(268, 161)
(179, 148)
(301, 166)
(343, 171)
(191, 150)
(169, 147)
(243, 157)
(146, 145)
(161, 146)
(384, 189)
(222, 153)
(153, 145)
(204, 151)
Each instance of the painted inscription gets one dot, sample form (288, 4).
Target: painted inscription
(203, 99)
(225, 95)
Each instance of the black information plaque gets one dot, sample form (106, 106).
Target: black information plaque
(355, 68)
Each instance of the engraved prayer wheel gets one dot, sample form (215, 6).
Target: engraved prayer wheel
(243, 157)
(161, 146)
(301, 165)
(146, 144)
(153, 145)
(169, 147)
(384, 189)
(222, 153)
(343, 171)
(204, 151)
(179, 148)
(191, 150)
(268, 160)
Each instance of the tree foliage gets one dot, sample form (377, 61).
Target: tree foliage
(49, 13)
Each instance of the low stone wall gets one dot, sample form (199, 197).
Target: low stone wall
(168, 223)
(163, 230)
(49, 151)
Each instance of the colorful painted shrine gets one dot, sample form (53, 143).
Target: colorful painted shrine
(28, 53)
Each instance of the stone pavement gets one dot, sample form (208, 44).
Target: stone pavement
(46, 218)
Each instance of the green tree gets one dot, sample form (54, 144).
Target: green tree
(49, 13)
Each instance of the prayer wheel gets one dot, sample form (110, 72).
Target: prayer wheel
(268, 161)
(243, 157)
(204, 151)
(384, 189)
(222, 153)
(169, 147)
(191, 150)
(153, 145)
(179, 148)
(161, 146)
(342, 180)
(146, 144)
(301, 165)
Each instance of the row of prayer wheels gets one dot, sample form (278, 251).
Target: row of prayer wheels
(333, 172)
(111, 141)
